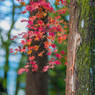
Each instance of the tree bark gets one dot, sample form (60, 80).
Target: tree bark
(36, 82)
(80, 78)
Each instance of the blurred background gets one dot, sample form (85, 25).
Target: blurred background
(11, 25)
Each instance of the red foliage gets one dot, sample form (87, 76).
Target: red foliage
(52, 28)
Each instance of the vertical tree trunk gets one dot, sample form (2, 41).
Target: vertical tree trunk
(36, 82)
(80, 78)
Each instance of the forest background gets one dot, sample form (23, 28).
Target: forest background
(10, 25)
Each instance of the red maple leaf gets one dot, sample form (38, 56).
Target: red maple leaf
(32, 62)
(51, 34)
(63, 52)
(45, 68)
(58, 55)
(31, 58)
(35, 66)
(53, 45)
(57, 62)
(49, 53)
(23, 49)
(16, 49)
(21, 70)
(23, 42)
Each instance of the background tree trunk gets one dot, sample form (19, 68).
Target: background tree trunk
(80, 79)
(36, 82)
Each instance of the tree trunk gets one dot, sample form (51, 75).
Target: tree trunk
(36, 82)
(80, 78)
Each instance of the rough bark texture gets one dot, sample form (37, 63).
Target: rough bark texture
(36, 82)
(80, 79)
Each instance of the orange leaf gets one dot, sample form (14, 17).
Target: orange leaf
(15, 53)
(22, 3)
(59, 34)
(41, 53)
(36, 48)
(49, 49)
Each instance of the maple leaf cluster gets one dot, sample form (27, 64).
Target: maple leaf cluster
(38, 31)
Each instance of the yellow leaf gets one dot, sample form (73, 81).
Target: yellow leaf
(29, 52)
(45, 14)
(28, 43)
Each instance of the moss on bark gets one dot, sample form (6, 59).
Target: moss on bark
(85, 57)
